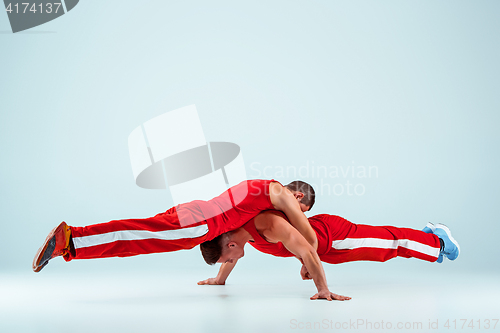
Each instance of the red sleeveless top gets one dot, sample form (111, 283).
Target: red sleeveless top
(327, 227)
(230, 210)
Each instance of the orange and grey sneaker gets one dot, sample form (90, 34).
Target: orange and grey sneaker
(56, 244)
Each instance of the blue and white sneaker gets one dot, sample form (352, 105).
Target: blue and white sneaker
(429, 229)
(451, 248)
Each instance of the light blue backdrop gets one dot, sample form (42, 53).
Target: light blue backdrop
(409, 88)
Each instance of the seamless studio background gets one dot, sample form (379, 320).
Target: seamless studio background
(406, 90)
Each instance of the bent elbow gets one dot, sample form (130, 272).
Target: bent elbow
(315, 244)
(308, 253)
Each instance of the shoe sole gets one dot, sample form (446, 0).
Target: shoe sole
(448, 233)
(37, 267)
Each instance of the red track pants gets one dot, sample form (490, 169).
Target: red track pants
(124, 238)
(373, 243)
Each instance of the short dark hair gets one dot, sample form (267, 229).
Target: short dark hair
(303, 187)
(212, 250)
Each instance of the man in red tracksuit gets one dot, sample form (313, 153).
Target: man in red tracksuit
(339, 241)
(183, 226)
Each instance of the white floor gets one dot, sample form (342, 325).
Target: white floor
(254, 300)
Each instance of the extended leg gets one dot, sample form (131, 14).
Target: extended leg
(374, 243)
(121, 238)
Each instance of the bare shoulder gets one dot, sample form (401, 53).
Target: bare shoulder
(275, 186)
(277, 189)
(267, 219)
(279, 194)
(271, 224)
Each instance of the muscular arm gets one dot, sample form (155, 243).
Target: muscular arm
(276, 229)
(304, 274)
(283, 200)
(224, 271)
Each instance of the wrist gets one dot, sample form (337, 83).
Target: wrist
(323, 289)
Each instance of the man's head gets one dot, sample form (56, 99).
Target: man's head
(304, 193)
(221, 249)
